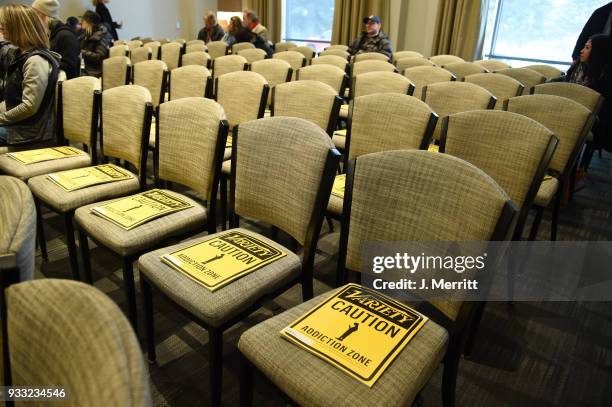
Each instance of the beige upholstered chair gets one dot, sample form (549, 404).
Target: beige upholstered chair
(405, 54)
(74, 335)
(163, 41)
(195, 47)
(337, 46)
(332, 60)
(265, 152)
(229, 63)
(152, 75)
(570, 122)
(492, 65)
(306, 51)
(370, 56)
(171, 54)
(134, 44)
(371, 66)
(116, 71)
(328, 74)
(444, 59)
(463, 69)
(446, 98)
(239, 46)
(190, 42)
(383, 121)
(276, 71)
(422, 203)
(405, 63)
(119, 42)
(197, 58)
(549, 72)
(190, 81)
(501, 86)
(525, 76)
(217, 49)
(243, 95)
(294, 58)
(155, 48)
(140, 54)
(146, 40)
(253, 54)
(586, 96)
(126, 120)
(190, 141)
(181, 41)
(119, 50)
(336, 52)
(284, 46)
(422, 76)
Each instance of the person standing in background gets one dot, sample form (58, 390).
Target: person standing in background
(211, 31)
(104, 14)
(251, 21)
(75, 25)
(599, 23)
(95, 43)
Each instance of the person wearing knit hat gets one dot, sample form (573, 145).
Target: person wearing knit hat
(49, 8)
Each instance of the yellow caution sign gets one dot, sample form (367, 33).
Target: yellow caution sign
(433, 148)
(135, 210)
(45, 154)
(226, 257)
(72, 180)
(358, 330)
(339, 185)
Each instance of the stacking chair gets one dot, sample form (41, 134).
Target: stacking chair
(152, 75)
(294, 58)
(190, 42)
(463, 69)
(332, 60)
(527, 77)
(190, 81)
(276, 71)
(146, 40)
(284, 46)
(140, 54)
(549, 72)
(371, 66)
(405, 54)
(198, 58)
(445, 59)
(163, 41)
(501, 86)
(116, 71)
(405, 63)
(422, 76)
(570, 122)
(119, 42)
(229, 63)
(253, 54)
(190, 141)
(336, 52)
(584, 95)
(133, 44)
(337, 46)
(446, 98)
(371, 56)
(492, 65)
(306, 51)
(74, 335)
(199, 46)
(422, 203)
(328, 74)
(126, 121)
(217, 49)
(181, 41)
(239, 46)
(379, 122)
(155, 47)
(171, 54)
(119, 50)
(265, 151)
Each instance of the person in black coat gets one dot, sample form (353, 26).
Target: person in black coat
(599, 23)
(212, 31)
(64, 42)
(104, 14)
(95, 43)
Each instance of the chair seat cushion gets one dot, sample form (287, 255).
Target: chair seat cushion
(24, 172)
(143, 237)
(227, 153)
(344, 110)
(335, 205)
(215, 308)
(547, 191)
(152, 136)
(310, 381)
(226, 167)
(339, 139)
(63, 201)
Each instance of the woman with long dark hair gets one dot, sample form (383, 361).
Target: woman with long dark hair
(107, 20)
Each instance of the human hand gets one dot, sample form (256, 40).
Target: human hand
(120, 24)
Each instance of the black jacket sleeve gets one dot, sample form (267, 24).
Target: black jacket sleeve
(68, 47)
(594, 25)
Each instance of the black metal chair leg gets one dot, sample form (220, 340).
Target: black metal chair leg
(223, 193)
(536, 223)
(40, 231)
(307, 286)
(215, 346)
(246, 382)
(130, 291)
(147, 297)
(84, 246)
(70, 241)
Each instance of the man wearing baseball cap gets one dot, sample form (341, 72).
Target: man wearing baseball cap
(372, 39)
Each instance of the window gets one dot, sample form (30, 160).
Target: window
(308, 22)
(524, 32)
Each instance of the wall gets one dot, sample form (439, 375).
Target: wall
(412, 24)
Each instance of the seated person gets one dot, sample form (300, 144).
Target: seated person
(372, 39)
(251, 21)
(211, 31)
(237, 33)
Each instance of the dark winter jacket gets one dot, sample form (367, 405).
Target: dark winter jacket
(216, 34)
(596, 25)
(246, 35)
(94, 49)
(378, 43)
(7, 54)
(65, 43)
(104, 14)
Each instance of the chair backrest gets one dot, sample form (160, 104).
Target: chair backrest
(284, 46)
(140, 54)
(217, 49)
(115, 72)
(492, 65)
(336, 52)
(190, 141)
(79, 108)
(463, 69)
(584, 95)
(264, 152)
(181, 41)
(501, 86)
(119, 50)
(197, 58)
(163, 41)
(190, 42)
(388, 121)
(371, 65)
(134, 44)
(568, 120)
(190, 81)
(253, 54)
(405, 54)
(171, 54)
(77, 336)
(549, 72)
(294, 58)
(243, 95)
(337, 46)
(229, 63)
(526, 76)
(119, 42)
(126, 125)
(18, 220)
(276, 71)
(152, 75)
(410, 62)
(329, 74)
(195, 47)
(308, 52)
(155, 47)
(446, 98)
(445, 59)
(307, 99)
(370, 56)
(422, 76)
(331, 60)
(146, 40)
(239, 46)
(380, 82)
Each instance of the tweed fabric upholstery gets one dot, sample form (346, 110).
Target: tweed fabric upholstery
(217, 49)
(587, 97)
(501, 86)
(339, 139)
(188, 132)
(525, 76)
(171, 54)
(294, 58)
(154, 46)
(445, 59)
(334, 60)
(24, 172)
(240, 95)
(309, 100)
(422, 76)
(327, 74)
(77, 108)
(274, 70)
(463, 69)
(446, 98)
(141, 54)
(143, 237)
(195, 47)
(336, 52)
(226, 167)
(371, 65)
(241, 46)
(549, 72)
(311, 381)
(308, 53)
(114, 72)
(116, 42)
(119, 50)
(268, 150)
(492, 65)
(338, 46)
(405, 54)
(150, 75)
(215, 308)
(134, 44)
(188, 81)
(507, 146)
(181, 41)
(196, 58)
(76, 336)
(252, 54)
(284, 46)
(227, 64)
(411, 62)
(547, 191)
(380, 82)
(370, 56)
(18, 220)
(564, 117)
